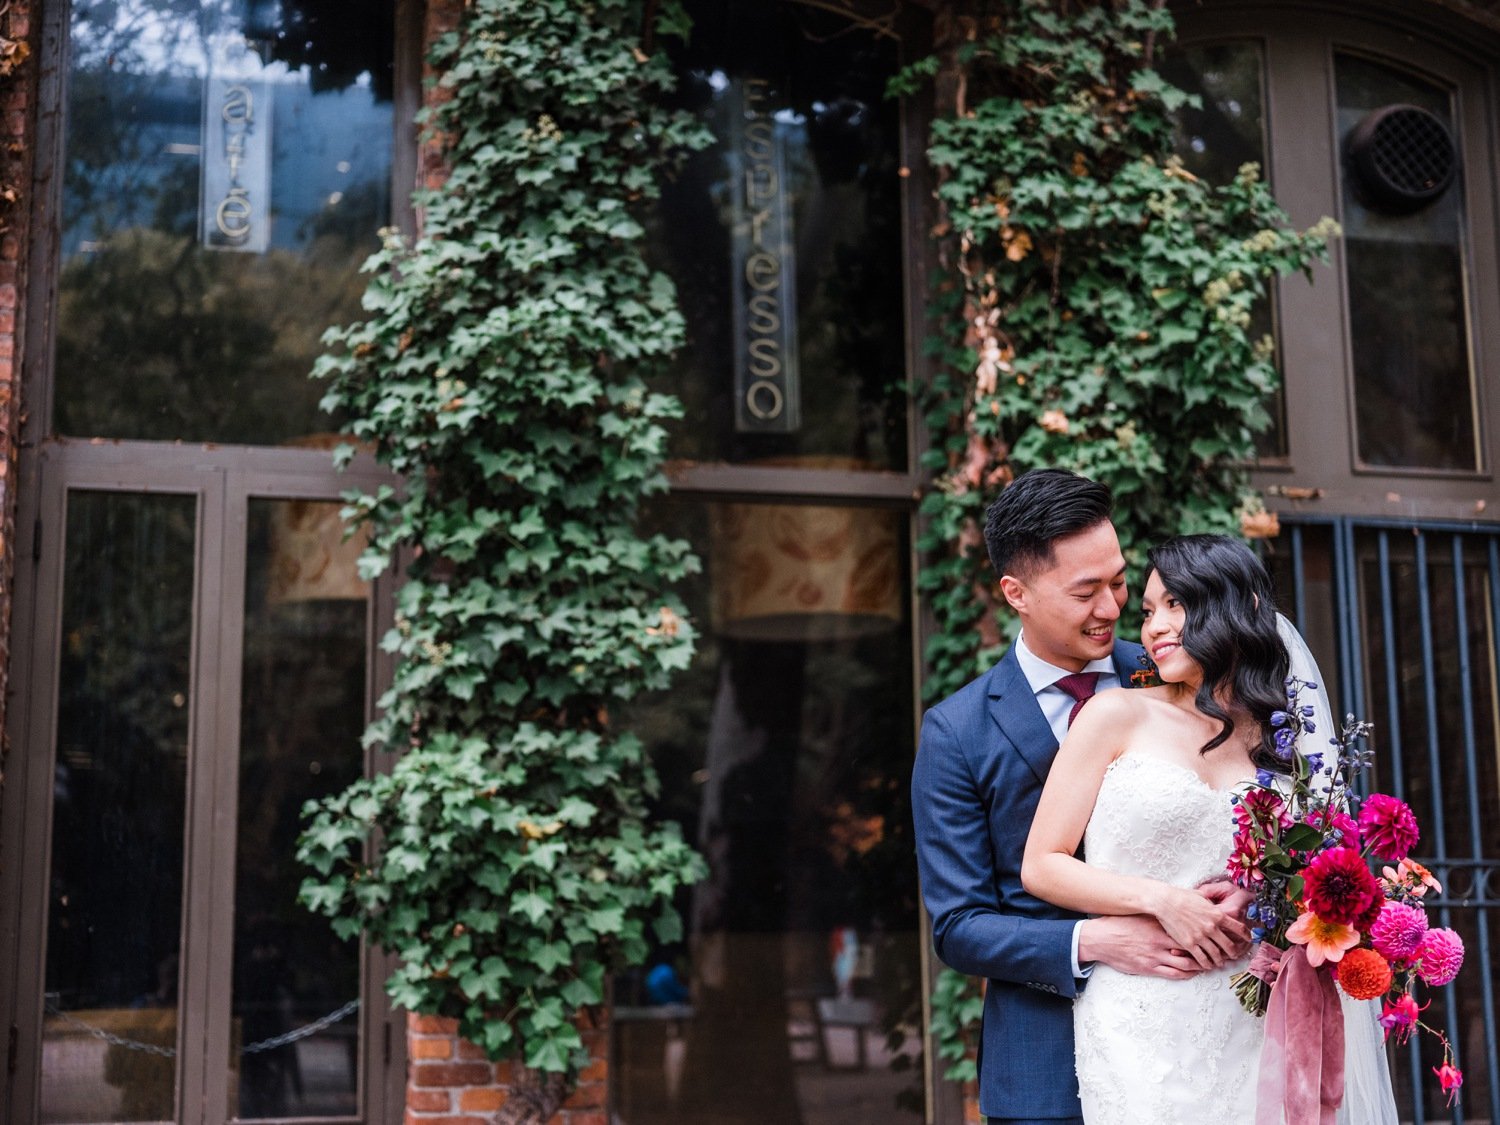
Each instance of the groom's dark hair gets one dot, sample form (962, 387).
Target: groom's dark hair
(1037, 509)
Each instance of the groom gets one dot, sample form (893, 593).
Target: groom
(984, 754)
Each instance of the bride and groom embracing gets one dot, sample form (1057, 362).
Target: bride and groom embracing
(1108, 969)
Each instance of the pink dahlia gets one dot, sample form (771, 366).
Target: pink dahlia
(1244, 860)
(1340, 888)
(1399, 930)
(1388, 825)
(1440, 956)
(1262, 807)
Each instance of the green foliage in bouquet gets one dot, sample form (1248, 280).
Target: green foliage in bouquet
(1093, 310)
(500, 372)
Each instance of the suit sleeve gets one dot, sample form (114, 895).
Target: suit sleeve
(972, 929)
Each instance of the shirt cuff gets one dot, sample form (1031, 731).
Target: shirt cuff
(1080, 972)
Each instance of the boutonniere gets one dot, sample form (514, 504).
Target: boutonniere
(1148, 675)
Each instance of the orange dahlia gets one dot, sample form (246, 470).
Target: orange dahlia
(1364, 974)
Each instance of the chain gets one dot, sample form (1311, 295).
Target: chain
(302, 1032)
(271, 1044)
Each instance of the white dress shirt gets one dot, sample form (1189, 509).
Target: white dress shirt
(1056, 705)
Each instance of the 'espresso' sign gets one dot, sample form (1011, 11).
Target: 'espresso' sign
(235, 206)
(765, 282)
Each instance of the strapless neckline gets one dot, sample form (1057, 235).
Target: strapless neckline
(1177, 767)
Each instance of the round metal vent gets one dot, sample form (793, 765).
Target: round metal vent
(1403, 158)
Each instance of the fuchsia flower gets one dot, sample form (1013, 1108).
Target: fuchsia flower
(1451, 1079)
(1389, 826)
(1340, 888)
(1440, 956)
(1399, 930)
(1399, 1017)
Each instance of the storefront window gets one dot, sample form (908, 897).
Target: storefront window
(226, 169)
(785, 240)
(785, 755)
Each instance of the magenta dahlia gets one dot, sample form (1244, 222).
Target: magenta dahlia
(1339, 888)
(1399, 930)
(1440, 956)
(1389, 826)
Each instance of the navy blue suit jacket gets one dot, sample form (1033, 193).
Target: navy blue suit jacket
(984, 754)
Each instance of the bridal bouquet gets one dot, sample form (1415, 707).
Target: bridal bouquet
(1305, 845)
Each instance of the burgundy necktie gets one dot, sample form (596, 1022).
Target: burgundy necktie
(1080, 685)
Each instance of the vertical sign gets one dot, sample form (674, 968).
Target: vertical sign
(764, 267)
(234, 206)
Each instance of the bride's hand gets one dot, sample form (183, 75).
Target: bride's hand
(1204, 932)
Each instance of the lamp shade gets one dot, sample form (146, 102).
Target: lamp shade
(790, 572)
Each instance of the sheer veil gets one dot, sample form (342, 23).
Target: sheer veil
(1368, 1099)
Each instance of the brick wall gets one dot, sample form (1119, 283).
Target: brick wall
(17, 124)
(450, 1082)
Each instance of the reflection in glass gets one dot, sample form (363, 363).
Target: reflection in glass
(784, 239)
(115, 885)
(224, 176)
(1408, 313)
(1214, 141)
(785, 754)
(302, 713)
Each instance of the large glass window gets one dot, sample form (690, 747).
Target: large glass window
(1215, 139)
(227, 166)
(785, 241)
(1408, 305)
(785, 754)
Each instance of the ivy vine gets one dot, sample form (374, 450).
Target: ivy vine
(1096, 313)
(508, 858)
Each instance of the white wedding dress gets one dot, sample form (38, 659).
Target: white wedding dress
(1160, 1052)
(1153, 1051)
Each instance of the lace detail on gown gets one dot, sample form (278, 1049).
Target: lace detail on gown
(1151, 1051)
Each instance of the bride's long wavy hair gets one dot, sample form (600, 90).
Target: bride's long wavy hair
(1230, 630)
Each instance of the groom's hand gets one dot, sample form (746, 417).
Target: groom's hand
(1134, 944)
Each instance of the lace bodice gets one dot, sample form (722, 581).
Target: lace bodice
(1154, 817)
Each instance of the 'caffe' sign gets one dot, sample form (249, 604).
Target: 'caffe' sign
(765, 286)
(235, 205)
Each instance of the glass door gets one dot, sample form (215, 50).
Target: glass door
(199, 667)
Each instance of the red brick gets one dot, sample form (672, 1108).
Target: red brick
(423, 1025)
(467, 1050)
(588, 1095)
(587, 1117)
(596, 1071)
(423, 1047)
(447, 1119)
(450, 1074)
(482, 1099)
(429, 1101)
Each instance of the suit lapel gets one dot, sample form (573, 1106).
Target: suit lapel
(1015, 709)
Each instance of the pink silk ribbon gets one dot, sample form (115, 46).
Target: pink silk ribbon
(1302, 1059)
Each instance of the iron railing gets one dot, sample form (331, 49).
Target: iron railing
(1405, 620)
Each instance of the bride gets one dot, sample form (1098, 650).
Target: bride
(1145, 781)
